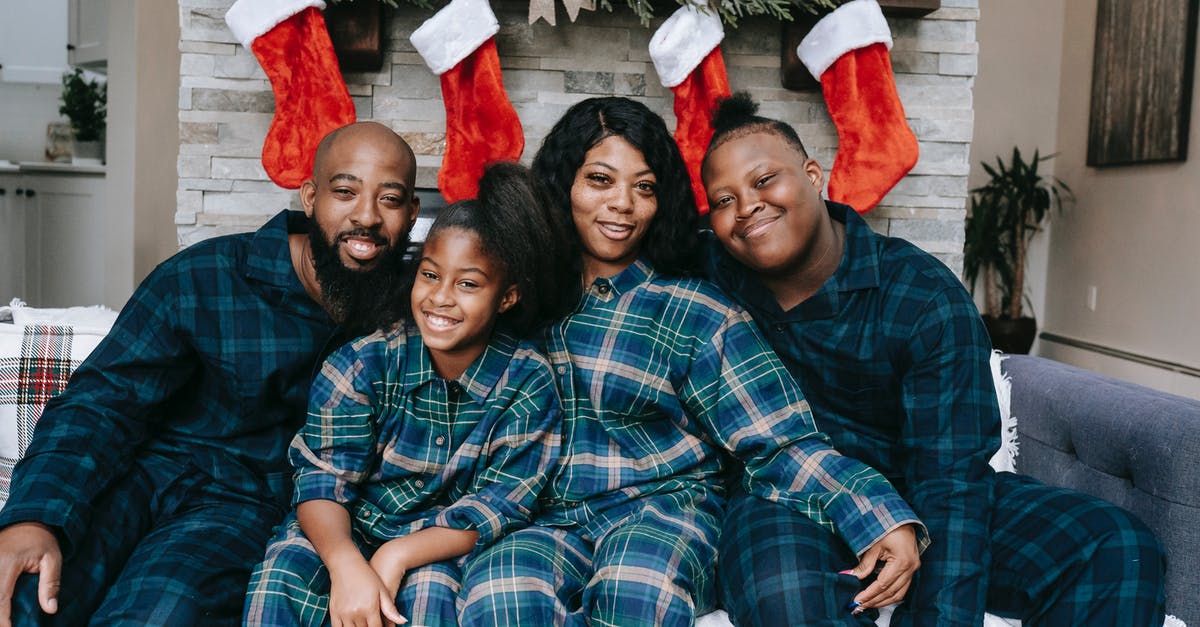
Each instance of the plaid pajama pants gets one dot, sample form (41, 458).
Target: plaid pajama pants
(291, 586)
(164, 547)
(650, 564)
(1059, 557)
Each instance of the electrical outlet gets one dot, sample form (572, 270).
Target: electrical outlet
(1091, 297)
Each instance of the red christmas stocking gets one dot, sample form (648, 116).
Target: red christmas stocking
(687, 56)
(291, 43)
(847, 51)
(481, 126)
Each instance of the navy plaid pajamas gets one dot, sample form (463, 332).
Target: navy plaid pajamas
(404, 449)
(653, 565)
(894, 358)
(173, 549)
(291, 586)
(660, 379)
(164, 461)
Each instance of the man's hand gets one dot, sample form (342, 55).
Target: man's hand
(898, 550)
(29, 547)
(358, 598)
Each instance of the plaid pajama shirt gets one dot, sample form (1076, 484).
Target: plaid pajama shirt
(404, 449)
(659, 378)
(162, 466)
(893, 356)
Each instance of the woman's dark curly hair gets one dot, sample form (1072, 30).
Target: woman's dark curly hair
(670, 242)
(520, 232)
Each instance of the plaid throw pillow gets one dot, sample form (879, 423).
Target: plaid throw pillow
(36, 361)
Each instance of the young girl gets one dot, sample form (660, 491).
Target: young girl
(428, 440)
(659, 376)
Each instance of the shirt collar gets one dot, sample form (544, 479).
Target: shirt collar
(626, 280)
(858, 269)
(270, 259)
(478, 380)
(481, 377)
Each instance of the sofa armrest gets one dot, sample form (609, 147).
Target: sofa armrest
(1128, 444)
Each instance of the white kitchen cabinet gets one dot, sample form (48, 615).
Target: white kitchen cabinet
(87, 33)
(66, 240)
(33, 41)
(12, 238)
(53, 238)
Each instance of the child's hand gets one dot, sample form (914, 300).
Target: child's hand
(358, 598)
(390, 564)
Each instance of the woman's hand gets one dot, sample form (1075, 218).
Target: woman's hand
(898, 550)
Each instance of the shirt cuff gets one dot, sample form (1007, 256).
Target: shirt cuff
(56, 515)
(473, 514)
(317, 485)
(862, 530)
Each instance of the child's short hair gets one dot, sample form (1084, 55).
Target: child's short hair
(529, 241)
(670, 242)
(737, 116)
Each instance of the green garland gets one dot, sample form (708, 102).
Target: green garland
(729, 10)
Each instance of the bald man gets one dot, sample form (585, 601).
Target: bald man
(153, 481)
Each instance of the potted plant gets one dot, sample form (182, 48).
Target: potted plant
(84, 102)
(1005, 213)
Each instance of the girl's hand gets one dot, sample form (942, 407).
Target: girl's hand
(358, 598)
(390, 564)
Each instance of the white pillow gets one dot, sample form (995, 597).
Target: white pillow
(93, 317)
(1006, 457)
(36, 361)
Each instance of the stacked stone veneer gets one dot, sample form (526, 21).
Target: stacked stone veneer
(226, 105)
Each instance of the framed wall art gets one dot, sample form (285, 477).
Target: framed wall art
(1142, 81)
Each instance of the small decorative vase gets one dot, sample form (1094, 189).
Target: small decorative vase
(59, 139)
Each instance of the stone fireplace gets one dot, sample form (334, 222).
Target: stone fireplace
(226, 105)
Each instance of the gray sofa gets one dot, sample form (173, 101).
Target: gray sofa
(1136, 447)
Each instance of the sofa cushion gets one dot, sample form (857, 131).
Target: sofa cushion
(36, 361)
(1128, 444)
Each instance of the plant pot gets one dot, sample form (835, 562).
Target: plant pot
(1011, 336)
(88, 153)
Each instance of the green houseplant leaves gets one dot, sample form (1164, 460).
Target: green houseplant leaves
(1005, 213)
(85, 103)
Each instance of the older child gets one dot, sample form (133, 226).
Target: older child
(660, 375)
(894, 358)
(428, 440)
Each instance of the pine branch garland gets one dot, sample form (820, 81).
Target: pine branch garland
(729, 10)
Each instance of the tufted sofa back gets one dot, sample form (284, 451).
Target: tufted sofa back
(1128, 444)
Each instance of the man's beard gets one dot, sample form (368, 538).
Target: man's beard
(363, 299)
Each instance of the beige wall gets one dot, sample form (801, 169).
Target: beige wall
(1133, 235)
(1016, 100)
(143, 141)
(1133, 229)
